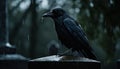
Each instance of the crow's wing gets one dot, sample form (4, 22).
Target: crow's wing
(77, 32)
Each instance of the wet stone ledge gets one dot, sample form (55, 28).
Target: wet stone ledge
(62, 62)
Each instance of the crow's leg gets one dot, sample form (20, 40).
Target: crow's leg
(81, 53)
(68, 52)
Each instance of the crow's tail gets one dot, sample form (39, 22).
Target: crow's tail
(88, 54)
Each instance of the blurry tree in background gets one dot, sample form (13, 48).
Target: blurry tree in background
(30, 33)
(100, 19)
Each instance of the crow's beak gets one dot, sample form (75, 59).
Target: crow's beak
(49, 14)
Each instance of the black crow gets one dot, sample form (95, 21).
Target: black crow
(70, 33)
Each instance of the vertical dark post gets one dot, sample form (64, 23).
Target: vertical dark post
(34, 28)
(2, 22)
(5, 47)
(9, 59)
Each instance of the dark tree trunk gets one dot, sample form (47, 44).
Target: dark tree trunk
(2, 21)
(34, 29)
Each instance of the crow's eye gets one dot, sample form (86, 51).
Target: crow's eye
(54, 12)
(57, 12)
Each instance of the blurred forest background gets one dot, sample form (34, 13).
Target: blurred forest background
(31, 34)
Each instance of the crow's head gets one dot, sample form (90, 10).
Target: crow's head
(54, 13)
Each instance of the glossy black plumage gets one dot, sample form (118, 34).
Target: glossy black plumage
(70, 33)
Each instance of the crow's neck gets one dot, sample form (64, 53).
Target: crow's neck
(59, 20)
